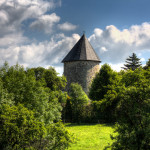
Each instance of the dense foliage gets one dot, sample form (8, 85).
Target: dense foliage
(19, 128)
(76, 103)
(147, 65)
(29, 109)
(33, 101)
(103, 93)
(124, 98)
(126, 102)
(50, 77)
(133, 113)
(103, 82)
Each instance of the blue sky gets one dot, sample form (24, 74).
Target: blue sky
(41, 32)
(101, 13)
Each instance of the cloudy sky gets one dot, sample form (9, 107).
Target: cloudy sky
(41, 32)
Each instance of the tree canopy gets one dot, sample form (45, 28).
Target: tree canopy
(51, 78)
(30, 108)
(32, 104)
(147, 65)
(133, 117)
(78, 100)
(103, 82)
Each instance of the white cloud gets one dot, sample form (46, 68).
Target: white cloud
(142, 59)
(12, 39)
(12, 15)
(20, 10)
(3, 17)
(16, 47)
(103, 49)
(67, 26)
(116, 67)
(2, 2)
(114, 45)
(59, 69)
(45, 23)
(40, 54)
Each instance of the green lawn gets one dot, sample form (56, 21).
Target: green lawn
(90, 137)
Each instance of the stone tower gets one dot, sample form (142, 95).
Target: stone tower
(81, 64)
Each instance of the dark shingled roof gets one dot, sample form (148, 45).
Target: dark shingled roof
(82, 50)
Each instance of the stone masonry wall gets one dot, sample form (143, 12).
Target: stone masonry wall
(81, 72)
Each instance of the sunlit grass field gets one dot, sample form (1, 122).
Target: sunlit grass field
(90, 137)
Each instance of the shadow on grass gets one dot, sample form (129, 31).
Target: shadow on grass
(89, 124)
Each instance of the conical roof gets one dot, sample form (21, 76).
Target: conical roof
(82, 50)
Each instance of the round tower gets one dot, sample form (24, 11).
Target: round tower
(81, 64)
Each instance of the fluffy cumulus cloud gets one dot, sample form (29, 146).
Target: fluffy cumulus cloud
(114, 45)
(40, 54)
(16, 47)
(12, 15)
(45, 23)
(67, 26)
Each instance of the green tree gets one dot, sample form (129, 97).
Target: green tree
(78, 101)
(50, 78)
(67, 111)
(133, 78)
(19, 129)
(58, 137)
(147, 75)
(133, 62)
(28, 112)
(103, 82)
(105, 109)
(133, 111)
(133, 114)
(147, 65)
(5, 97)
(103, 92)
(31, 93)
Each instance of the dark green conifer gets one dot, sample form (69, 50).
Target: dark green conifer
(132, 62)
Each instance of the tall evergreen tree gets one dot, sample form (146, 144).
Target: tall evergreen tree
(132, 62)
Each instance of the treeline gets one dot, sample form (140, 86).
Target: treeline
(33, 102)
(117, 97)
(124, 98)
(106, 93)
(30, 109)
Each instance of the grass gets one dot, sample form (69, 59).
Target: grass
(90, 137)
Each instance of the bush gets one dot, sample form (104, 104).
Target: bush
(19, 129)
(133, 114)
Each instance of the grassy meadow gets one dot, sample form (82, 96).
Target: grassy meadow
(90, 137)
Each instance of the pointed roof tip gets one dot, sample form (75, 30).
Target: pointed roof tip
(82, 50)
(83, 36)
(83, 32)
